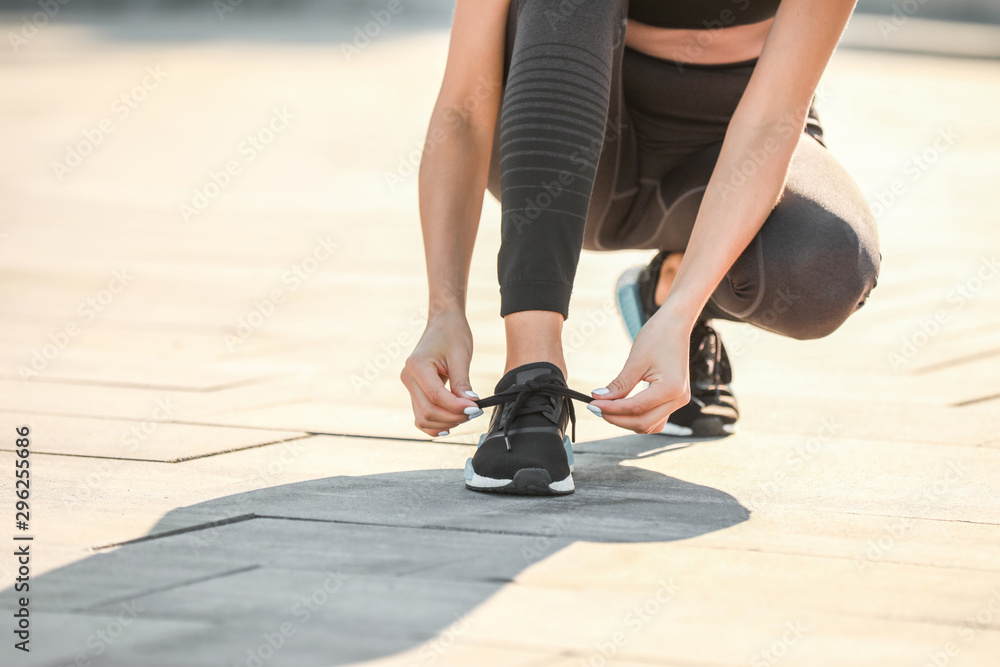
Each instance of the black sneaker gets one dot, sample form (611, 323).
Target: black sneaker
(526, 450)
(635, 294)
(712, 410)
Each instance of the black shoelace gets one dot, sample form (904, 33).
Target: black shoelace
(515, 397)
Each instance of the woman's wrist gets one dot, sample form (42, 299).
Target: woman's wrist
(447, 298)
(445, 311)
(678, 312)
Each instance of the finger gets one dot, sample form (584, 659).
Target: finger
(433, 429)
(430, 382)
(424, 409)
(647, 400)
(458, 378)
(650, 422)
(620, 387)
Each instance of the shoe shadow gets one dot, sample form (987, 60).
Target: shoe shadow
(345, 569)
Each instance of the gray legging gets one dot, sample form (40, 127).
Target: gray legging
(599, 146)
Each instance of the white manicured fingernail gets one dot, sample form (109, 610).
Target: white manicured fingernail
(474, 415)
(472, 394)
(473, 410)
(596, 410)
(601, 392)
(442, 434)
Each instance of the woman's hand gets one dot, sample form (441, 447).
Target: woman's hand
(659, 356)
(443, 353)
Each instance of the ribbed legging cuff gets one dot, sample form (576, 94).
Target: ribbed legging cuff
(535, 295)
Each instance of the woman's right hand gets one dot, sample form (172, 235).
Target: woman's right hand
(443, 354)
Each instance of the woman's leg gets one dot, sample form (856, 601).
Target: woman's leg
(534, 335)
(814, 261)
(559, 76)
(561, 62)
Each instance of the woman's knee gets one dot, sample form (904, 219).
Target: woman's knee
(801, 278)
(820, 281)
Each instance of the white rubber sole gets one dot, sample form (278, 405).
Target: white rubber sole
(686, 431)
(527, 482)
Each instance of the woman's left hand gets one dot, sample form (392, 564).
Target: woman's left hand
(659, 356)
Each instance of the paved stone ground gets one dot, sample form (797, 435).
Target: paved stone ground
(215, 474)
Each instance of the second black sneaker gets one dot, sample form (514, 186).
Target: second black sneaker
(526, 450)
(712, 410)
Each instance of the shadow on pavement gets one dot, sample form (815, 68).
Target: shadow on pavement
(343, 569)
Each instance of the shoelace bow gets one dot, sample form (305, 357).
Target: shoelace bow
(514, 398)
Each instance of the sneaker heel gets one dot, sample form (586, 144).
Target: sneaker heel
(568, 446)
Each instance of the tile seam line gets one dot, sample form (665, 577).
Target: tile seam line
(304, 436)
(178, 422)
(975, 401)
(250, 516)
(164, 589)
(683, 543)
(236, 384)
(240, 518)
(501, 532)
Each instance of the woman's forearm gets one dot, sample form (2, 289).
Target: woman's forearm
(453, 175)
(746, 184)
(765, 129)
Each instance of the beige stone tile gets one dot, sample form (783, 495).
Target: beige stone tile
(153, 439)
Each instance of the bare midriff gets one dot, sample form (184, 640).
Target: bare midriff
(702, 47)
